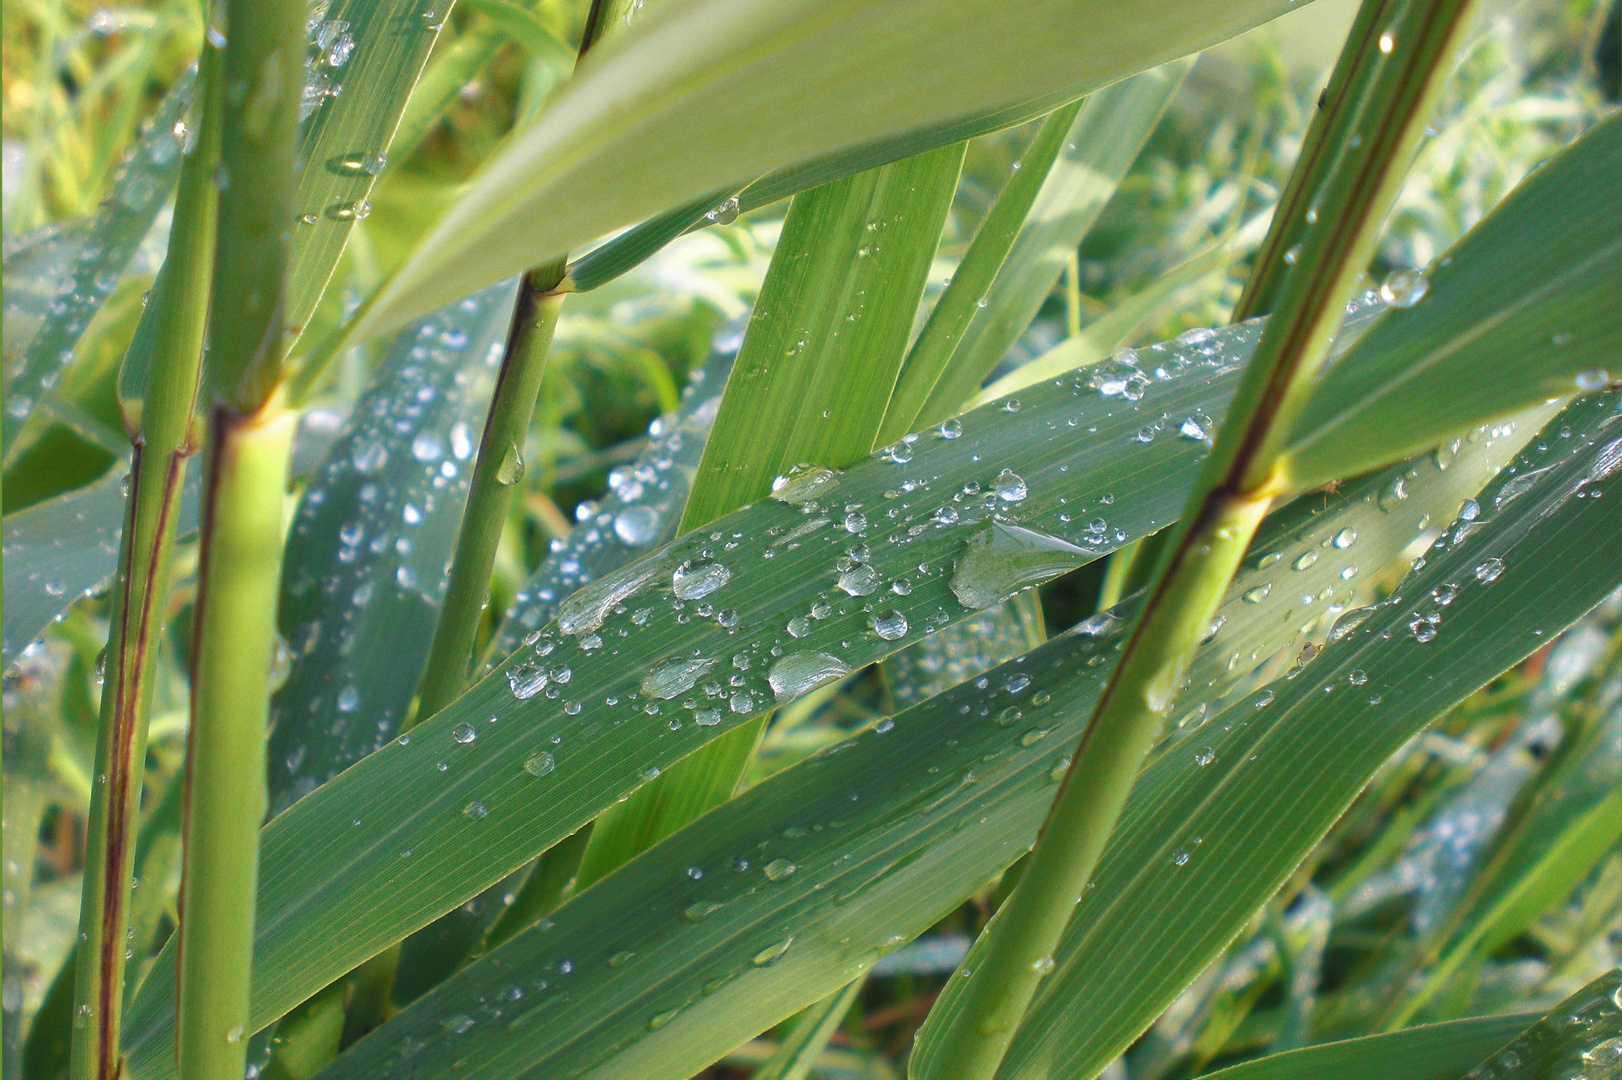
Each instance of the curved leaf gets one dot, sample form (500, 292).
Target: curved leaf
(364, 569)
(706, 93)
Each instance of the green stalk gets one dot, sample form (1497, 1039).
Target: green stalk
(250, 435)
(225, 752)
(162, 443)
(1390, 75)
(938, 340)
(500, 465)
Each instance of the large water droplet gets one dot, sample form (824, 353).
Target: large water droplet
(803, 483)
(890, 625)
(637, 525)
(1010, 486)
(526, 678)
(999, 560)
(693, 582)
(511, 468)
(464, 733)
(801, 672)
(675, 676)
(772, 953)
(1404, 288)
(778, 869)
(586, 608)
(859, 581)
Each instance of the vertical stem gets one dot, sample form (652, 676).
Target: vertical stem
(1390, 79)
(499, 467)
(1072, 295)
(250, 435)
(225, 752)
(162, 444)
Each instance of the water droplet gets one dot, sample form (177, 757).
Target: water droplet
(951, 429)
(798, 673)
(1010, 486)
(1344, 539)
(234, 1035)
(778, 869)
(772, 953)
(804, 483)
(1489, 570)
(1304, 560)
(1404, 288)
(1358, 677)
(890, 625)
(1204, 756)
(511, 468)
(460, 1024)
(348, 699)
(1000, 560)
(1042, 965)
(860, 580)
(476, 811)
(359, 210)
(637, 525)
(464, 733)
(540, 763)
(526, 678)
(675, 676)
(693, 582)
(1259, 593)
(359, 163)
(1179, 857)
(1593, 379)
(1393, 495)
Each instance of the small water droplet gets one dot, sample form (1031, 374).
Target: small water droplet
(890, 625)
(511, 468)
(464, 733)
(778, 869)
(476, 811)
(1010, 486)
(772, 953)
(1489, 570)
(540, 763)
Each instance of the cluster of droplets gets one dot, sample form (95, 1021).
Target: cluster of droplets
(639, 512)
(380, 518)
(329, 47)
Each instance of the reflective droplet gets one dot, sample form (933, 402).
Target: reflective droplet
(1010, 486)
(799, 673)
(476, 811)
(637, 525)
(540, 763)
(694, 582)
(1489, 570)
(464, 733)
(890, 625)
(511, 468)
(778, 869)
(1404, 288)
(772, 953)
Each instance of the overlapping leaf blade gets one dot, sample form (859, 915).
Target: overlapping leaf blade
(701, 94)
(789, 891)
(365, 558)
(1533, 294)
(1432, 1052)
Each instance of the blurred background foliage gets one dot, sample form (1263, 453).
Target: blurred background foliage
(1347, 949)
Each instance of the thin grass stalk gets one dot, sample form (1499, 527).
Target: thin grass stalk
(499, 466)
(988, 250)
(250, 436)
(163, 440)
(1390, 77)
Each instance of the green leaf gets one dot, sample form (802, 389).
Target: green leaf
(333, 893)
(364, 564)
(782, 895)
(65, 548)
(1580, 1036)
(105, 244)
(1532, 294)
(1100, 146)
(815, 372)
(365, 56)
(1431, 1052)
(694, 98)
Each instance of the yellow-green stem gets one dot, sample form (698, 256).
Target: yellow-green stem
(1389, 79)
(240, 572)
(162, 444)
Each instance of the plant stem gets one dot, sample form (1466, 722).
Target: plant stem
(499, 467)
(1390, 82)
(225, 752)
(163, 441)
(250, 435)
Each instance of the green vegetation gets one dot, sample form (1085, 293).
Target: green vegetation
(676, 539)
